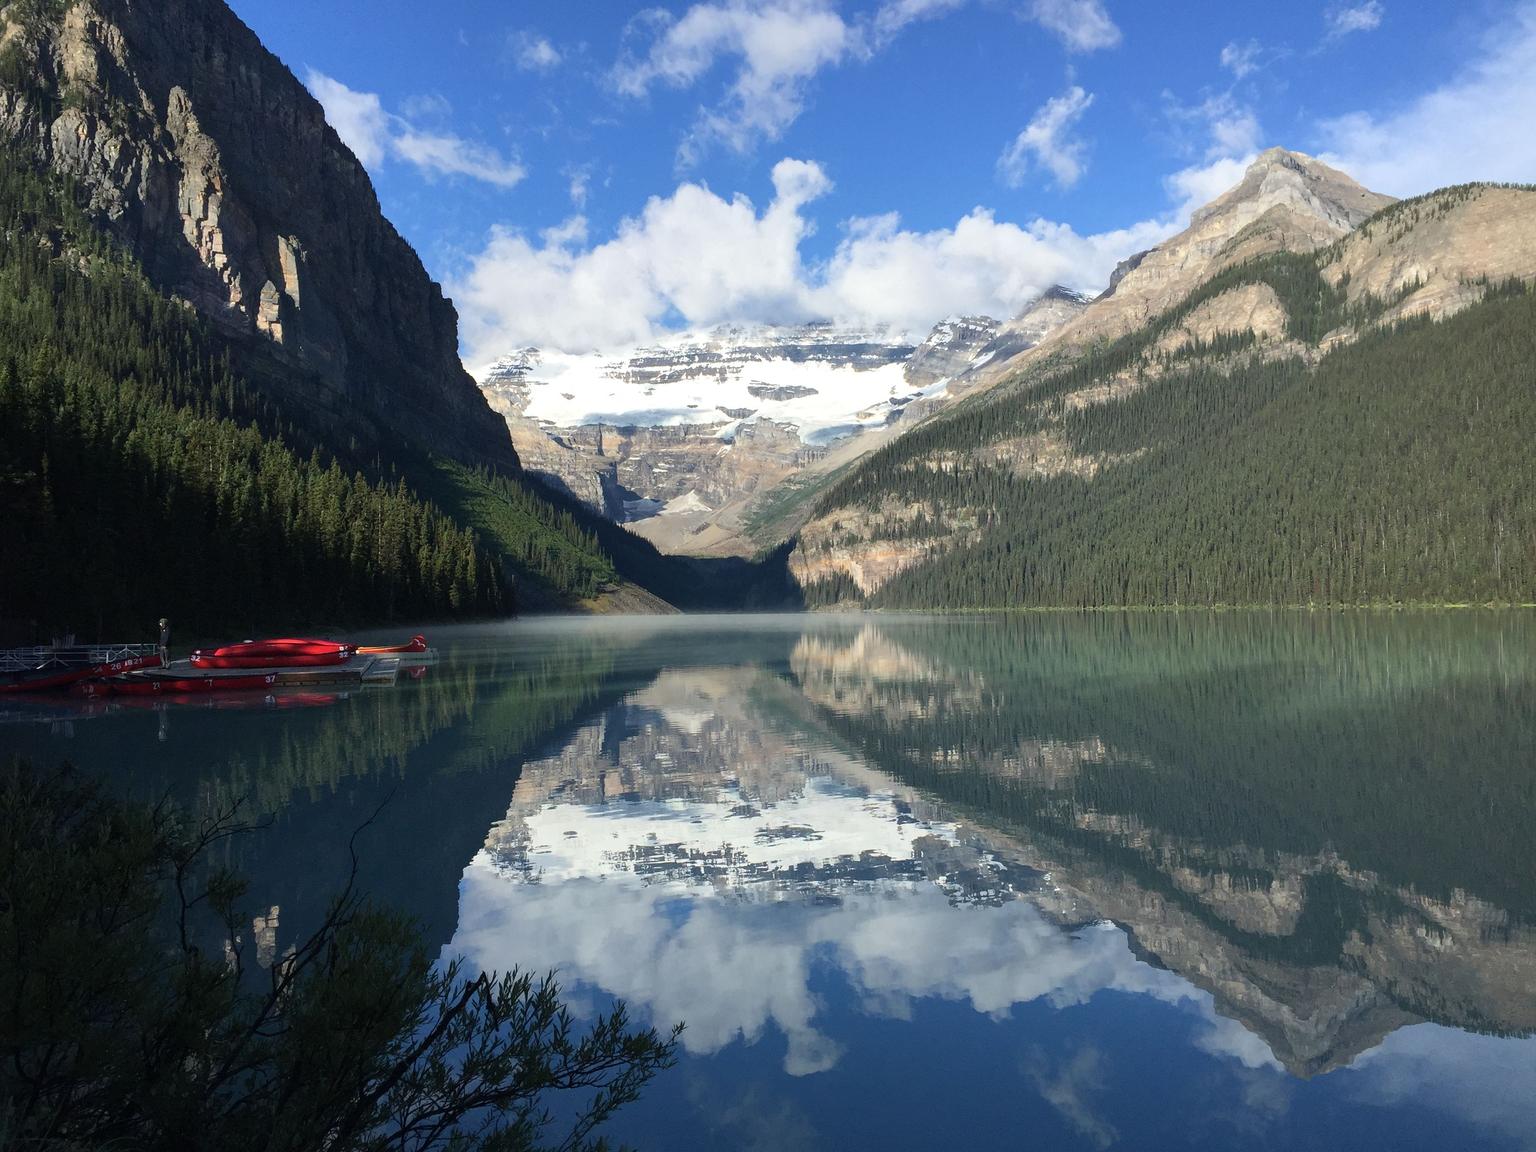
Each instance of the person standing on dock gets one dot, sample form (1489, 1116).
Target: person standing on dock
(165, 641)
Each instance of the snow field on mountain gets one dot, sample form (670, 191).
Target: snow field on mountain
(569, 391)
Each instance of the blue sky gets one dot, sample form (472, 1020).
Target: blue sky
(584, 175)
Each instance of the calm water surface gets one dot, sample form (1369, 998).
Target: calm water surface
(1138, 881)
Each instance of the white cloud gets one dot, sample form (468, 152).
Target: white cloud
(1343, 20)
(775, 48)
(425, 106)
(1222, 126)
(735, 968)
(375, 135)
(580, 186)
(1482, 1081)
(693, 253)
(1477, 126)
(1191, 188)
(358, 117)
(1241, 59)
(778, 46)
(883, 272)
(569, 233)
(1047, 141)
(703, 259)
(1226, 1038)
(454, 156)
(894, 15)
(533, 52)
(1070, 1087)
(1082, 25)
(1235, 132)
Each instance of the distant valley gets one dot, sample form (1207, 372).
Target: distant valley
(689, 440)
(1243, 378)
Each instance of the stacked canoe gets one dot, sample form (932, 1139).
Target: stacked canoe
(51, 675)
(288, 653)
(252, 665)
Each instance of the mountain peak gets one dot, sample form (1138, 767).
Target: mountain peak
(1279, 155)
(1286, 202)
(1058, 292)
(1302, 185)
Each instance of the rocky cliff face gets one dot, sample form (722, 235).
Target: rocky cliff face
(1286, 202)
(949, 349)
(1055, 309)
(633, 474)
(689, 440)
(1434, 255)
(208, 159)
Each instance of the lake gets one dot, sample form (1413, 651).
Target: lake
(1114, 880)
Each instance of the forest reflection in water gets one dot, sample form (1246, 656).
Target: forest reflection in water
(1113, 879)
(1304, 832)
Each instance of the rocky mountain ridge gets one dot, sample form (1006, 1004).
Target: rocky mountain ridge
(683, 439)
(198, 150)
(1285, 202)
(1205, 300)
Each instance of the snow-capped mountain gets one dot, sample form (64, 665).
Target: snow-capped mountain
(950, 350)
(683, 435)
(826, 381)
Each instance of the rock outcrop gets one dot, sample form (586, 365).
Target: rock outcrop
(1434, 255)
(949, 349)
(1250, 307)
(690, 440)
(198, 150)
(1053, 310)
(1286, 202)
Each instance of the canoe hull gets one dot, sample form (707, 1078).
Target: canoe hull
(185, 679)
(287, 652)
(282, 660)
(45, 680)
(282, 646)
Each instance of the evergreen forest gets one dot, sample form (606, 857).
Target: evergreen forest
(1395, 468)
(142, 475)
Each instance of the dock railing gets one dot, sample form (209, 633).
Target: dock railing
(69, 655)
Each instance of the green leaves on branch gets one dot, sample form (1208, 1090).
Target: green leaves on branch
(131, 1017)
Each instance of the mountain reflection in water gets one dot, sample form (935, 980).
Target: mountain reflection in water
(681, 854)
(1163, 880)
(932, 828)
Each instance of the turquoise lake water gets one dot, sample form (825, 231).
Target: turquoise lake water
(1107, 881)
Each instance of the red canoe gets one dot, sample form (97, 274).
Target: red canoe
(43, 679)
(414, 644)
(295, 652)
(286, 646)
(291, 660)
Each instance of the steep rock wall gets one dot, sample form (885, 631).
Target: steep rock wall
(206, 157)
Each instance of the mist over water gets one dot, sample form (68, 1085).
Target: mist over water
(1115, 880)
